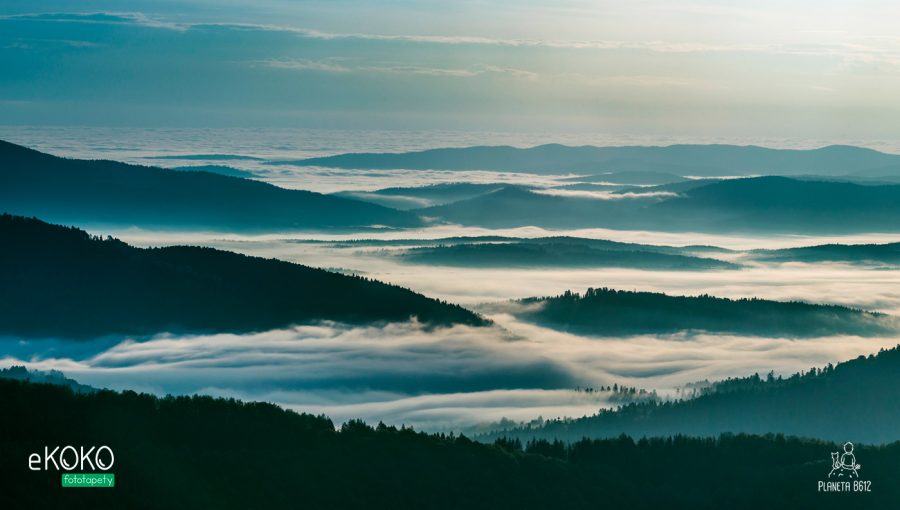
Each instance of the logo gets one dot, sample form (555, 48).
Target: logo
(69, 458)
(844, 463)
(844, 468)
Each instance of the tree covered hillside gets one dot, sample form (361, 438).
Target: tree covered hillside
(62, 282)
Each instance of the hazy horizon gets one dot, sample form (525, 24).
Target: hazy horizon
(748, 69)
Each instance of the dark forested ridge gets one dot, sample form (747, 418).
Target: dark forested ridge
(608, 312)
(556, 254)
(58, 281)
(856, 400)
(108, 192)
(706, 160)
(200, 452)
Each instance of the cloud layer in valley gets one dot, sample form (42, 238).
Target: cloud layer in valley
(434, 379)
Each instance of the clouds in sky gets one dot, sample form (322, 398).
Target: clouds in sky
(640, 67)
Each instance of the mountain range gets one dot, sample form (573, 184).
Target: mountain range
(680, 160)
(761, 204)
(113, 193)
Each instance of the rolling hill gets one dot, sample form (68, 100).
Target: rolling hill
(856, 400)
(514, 206)
(607, 312)
(888, 254)
(112, 193)
(407, 198)
(61, 282)
(783, 205)
(549, 253)
(761, 204)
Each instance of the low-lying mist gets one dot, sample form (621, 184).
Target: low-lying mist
(449, 378)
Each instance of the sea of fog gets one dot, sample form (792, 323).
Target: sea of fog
(462, 377)
(251, 149)
(450, 378)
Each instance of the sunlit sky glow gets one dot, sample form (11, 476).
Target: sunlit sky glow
(803, 69)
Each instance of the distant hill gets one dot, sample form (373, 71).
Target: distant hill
(515, 207)
(607, 312)
(107, 192)
(201, 452)
(854, 401)
(208, 157)
(598, 244)
(217, 169)
(556, 254)
(633, 177)
(61, 282)
(673, 187)
(20, 373)
(849, 253)
(762, 204)
(422, 196)
(695, 160)
(782, 204)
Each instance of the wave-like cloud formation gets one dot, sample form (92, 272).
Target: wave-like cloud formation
(434, 379)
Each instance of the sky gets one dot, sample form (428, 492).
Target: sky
(800, 69)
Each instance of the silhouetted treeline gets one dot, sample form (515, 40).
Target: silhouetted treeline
(200, 452)
(853, 401)
(58, 281)
(618, 312)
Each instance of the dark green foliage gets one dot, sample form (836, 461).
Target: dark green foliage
(58, 281)
(556, 254)
(199, 452)
(81, 191)
(609, 312)
(854, 401)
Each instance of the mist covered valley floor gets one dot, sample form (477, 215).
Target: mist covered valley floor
(464, 377)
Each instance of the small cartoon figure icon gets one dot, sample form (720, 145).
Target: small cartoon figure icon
(846, 462)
